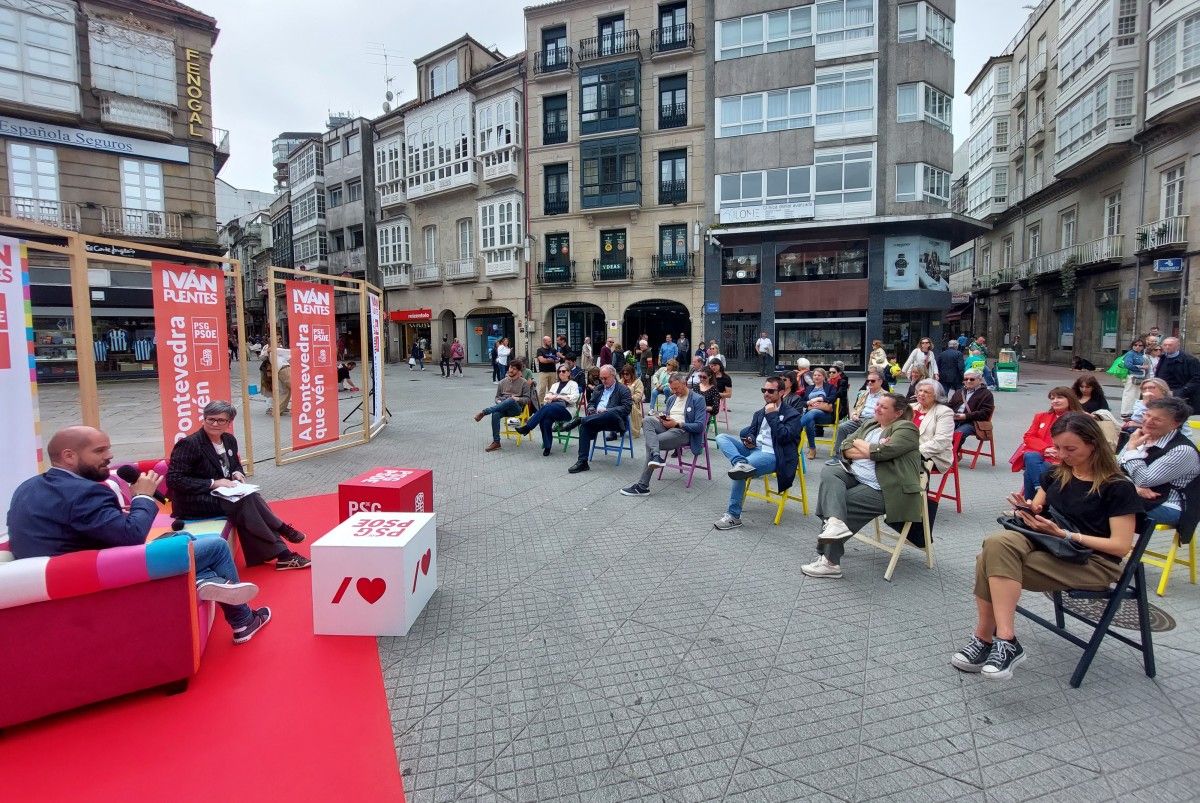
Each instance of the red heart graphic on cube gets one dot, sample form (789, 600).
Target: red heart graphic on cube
(371, 589)
(425, 561)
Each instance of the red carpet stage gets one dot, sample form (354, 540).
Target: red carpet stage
(288, 716)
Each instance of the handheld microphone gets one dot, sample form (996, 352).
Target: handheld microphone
(131, 475)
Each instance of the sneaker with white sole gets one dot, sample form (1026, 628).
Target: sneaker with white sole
(637, 489)
(260, 618)
(834, 530)
(656, 461)
(821, 567)
(226, 592)
(973, 656)
(727, 522)
(742, 471)
(1002, 659)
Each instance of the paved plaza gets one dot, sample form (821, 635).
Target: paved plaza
(584, 645)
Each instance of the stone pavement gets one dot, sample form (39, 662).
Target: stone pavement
(588, 646)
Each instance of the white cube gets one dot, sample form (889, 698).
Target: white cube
(373, 574)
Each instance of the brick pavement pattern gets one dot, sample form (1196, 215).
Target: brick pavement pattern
(587, 646)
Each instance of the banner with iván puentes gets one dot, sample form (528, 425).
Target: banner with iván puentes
(313, 369)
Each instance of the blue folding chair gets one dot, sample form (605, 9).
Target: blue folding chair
(626, 442)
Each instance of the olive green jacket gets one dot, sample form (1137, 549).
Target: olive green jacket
(898, 467)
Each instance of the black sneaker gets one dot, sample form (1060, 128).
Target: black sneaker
(290, 533)
(656, 461)
(244, 634)
(292, 561)
(1004, 656)
(637, 489)
(972, 657)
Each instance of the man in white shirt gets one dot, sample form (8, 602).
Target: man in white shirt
(766, 353)
(282, 392)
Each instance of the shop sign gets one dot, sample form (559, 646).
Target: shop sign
(411, 314)
(960, 298)
(314, 371)
(195, 92)
(193, 353)
(711, 307)
(93, 140)
(760, 214)
(18, 402)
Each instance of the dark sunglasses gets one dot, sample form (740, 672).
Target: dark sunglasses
(769, 390)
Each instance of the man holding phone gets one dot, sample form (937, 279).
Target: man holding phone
(681, 424)
(771, 444)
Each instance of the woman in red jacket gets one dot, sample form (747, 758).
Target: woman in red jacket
(1037, 454)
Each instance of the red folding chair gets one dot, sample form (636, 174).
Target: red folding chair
(979, 452)
(941, 492)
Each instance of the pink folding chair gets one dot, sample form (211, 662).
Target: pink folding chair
(689, 468)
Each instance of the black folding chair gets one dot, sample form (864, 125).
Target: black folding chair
(1130, 585)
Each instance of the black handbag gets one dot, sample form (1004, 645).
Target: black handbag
(1060, 548)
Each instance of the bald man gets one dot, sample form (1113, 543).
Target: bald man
(69, 509)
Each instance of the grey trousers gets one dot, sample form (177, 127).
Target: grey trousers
(844, 430)
(660, 439)
(843, 497)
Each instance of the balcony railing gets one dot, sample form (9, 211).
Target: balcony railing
(1036, 132)
(673, 115)
(1033, 184)
(557, 203)
(555, 132)
(48, 213)
(610, 44)
(140, 222)
(552, 59)
(675, 38)
(221, 140)
(1170, 231)
(1093, 252)
(612, 270)
(556, 273)
(1037, 71)
(116, 110)
(428, 273)
(395, 276)
(672, 267)
(500, 164)
(462, 270)
(392, 194)
(350, 260)
(672, 192)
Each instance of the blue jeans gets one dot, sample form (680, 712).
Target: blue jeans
(738, 452)
(1035, 467)
(809, 421)
(215, 562)
(545, 417)
(654, 394)
(1161, 514)
(504, 409)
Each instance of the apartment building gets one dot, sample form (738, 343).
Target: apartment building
(281, 149)
(350, 214)
(450, 173)
(830, 180)
(106, 128)
(248, 239)
(618, 166)
(1084, 131)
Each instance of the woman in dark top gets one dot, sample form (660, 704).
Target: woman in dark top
(1091, 395)
(1088, 488)
(791, 384)
(720, 378)
(710, 391)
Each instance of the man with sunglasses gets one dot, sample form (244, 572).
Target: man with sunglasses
(771, 444)
(864, 410)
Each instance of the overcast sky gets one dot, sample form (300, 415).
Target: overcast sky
(283, 66)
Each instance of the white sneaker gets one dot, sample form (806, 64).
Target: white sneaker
(226, 592)
(835, 530)
(821, 567)
(514, 422)
(727, 522)
(742, 470)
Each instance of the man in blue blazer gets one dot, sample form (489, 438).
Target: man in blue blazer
(770, 444)
(69, 509)
(682, 423)
(609, 405)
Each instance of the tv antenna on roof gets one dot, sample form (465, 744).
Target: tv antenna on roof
(378, 53)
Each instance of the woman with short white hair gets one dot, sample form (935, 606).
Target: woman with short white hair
(935, 423)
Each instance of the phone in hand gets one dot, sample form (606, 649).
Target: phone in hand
(1026, 509)
(749, 442)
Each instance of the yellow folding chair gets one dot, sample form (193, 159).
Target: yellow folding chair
(781, 499)
(510, 432)
(1167, 560)
(831, 438)
(894, 544)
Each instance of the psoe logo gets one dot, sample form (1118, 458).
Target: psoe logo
(386, 475)
(419, 503)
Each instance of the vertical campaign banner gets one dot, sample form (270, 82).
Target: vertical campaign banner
(313, 369)
(376, 358)
(18, 377)
(193, 353)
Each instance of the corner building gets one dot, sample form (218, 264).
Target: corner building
(830, 178)
(1084, 134)
(617, 168)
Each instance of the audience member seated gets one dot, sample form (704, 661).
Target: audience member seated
(69, 509)
(709, 390)
(578, 375)
(721, 379)
(1090, 394)
(818, 409)
(804, 375)
(637, 393)
(608, 405)
(660, 383)
(973, 404)
(915, 375)
(1037, 454)
(935, 423)
(561, 399)
(1161, 460)
(681, 424)
(208, 460)
(864, 410)
(793, 390)
(512, 394)
(694, 374)
(838, 379)
(769, 444)
(1088, 488)
(883, 477)
(1150, 389)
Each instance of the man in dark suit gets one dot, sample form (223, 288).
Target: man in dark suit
(1181, 372)
(609, 404)
(950, 365)
(971, 404)
(68, 509)
(770, 444)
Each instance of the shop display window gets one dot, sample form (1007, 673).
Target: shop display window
(123, 348)
(822, 342)
(740, 265)
(816, 261)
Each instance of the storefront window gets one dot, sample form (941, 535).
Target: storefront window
(123, 348)
(839, 260)
(740, 265)
(822, 342)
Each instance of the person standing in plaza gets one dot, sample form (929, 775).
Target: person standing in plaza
(765, 350)
(1137, 364)
(586, 358)
(950, 365)
(416, 357)
(922, 357)
(503, 353)
(547, 358)
(444, 357)
(667, 351)
(457, 355)
(684, 348)
(1181, 372)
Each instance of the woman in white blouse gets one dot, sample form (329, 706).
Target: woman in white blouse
(935, 423)
(562, 398)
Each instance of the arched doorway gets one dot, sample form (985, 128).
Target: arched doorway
(577, 320)
(656, 318)
(486, 325)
